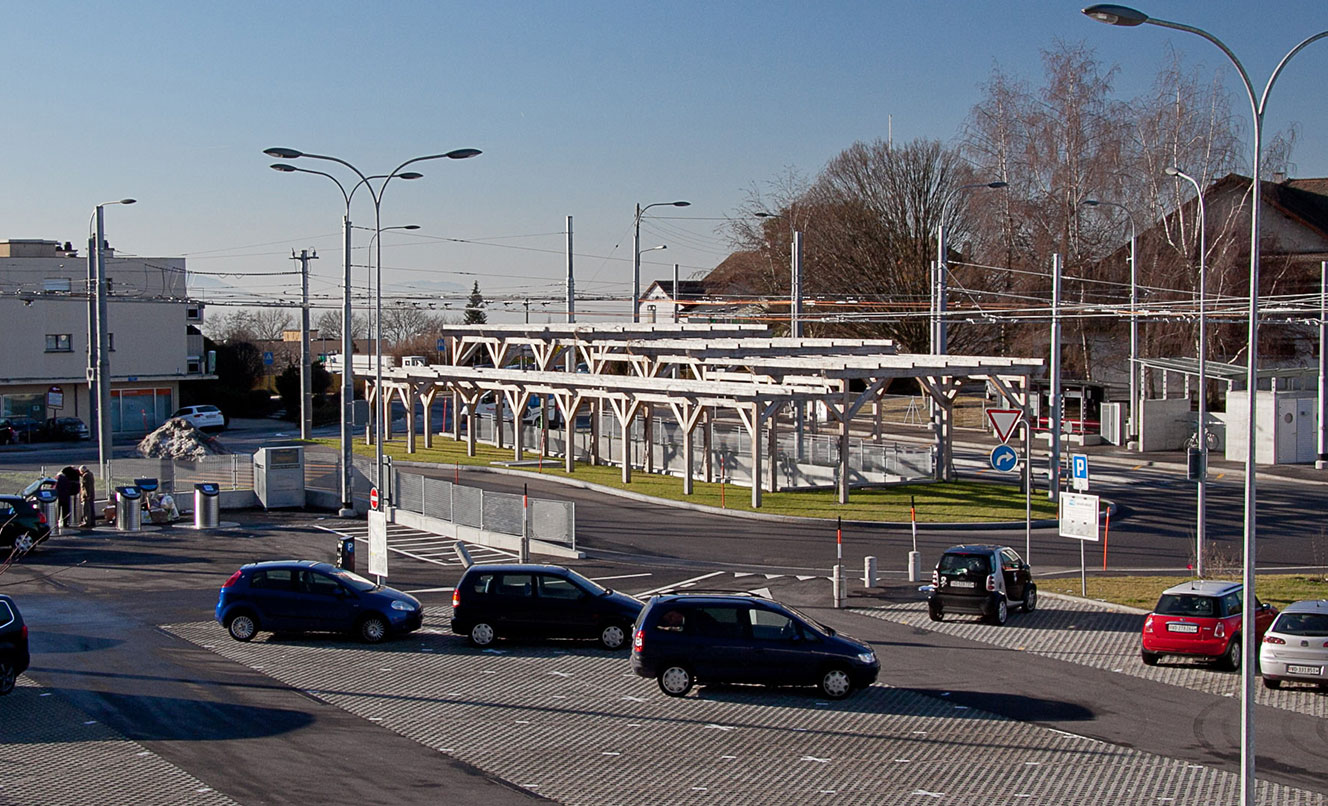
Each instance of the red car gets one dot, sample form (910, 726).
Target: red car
(1201, 619)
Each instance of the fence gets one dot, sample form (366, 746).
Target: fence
(504, 513)
(229, 472)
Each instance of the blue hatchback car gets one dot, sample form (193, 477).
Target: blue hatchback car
(306, 596)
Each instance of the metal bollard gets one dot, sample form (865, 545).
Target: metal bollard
(869, 576)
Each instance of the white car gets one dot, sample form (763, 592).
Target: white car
(1296, 646)
(204, 417)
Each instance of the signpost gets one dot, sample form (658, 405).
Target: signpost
(1079, 521)
(378, 544)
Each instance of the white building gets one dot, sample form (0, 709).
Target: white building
(44, 327)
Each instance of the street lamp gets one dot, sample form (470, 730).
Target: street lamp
(99, 357)
(636, 253)
(1131, 421)
(1200, 505)
(376, 194)
(1124, 16)
(940, 334)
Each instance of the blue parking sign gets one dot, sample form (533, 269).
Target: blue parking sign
(1079, 470)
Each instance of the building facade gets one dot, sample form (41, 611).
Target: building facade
(45, 323)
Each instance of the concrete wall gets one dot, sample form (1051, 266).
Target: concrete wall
(1164, 425)
(1286, 426)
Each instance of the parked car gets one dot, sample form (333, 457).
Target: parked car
(66, 428)
(539, 601)
(1201, 619)
(984, 580)
(204, 417)
(8, 436)
(1296, 645)
(20, 517)
(305, 596)
(14, 656)
(26, 429)
(682, 639)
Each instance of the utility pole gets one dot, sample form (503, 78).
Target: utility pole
(104, 445)
(94, 389)
(571, 284)
(1053, 489)
(306, 373)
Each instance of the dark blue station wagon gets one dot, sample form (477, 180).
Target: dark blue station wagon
(306, 596)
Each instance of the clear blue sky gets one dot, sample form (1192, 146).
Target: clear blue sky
(581, 109)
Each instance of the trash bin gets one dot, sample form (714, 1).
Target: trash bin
(346, 553)
(49, 506)
(128, 509)
(146, 486)
(207, 505)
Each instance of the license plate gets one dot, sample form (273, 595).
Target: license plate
(1179, 627)
(1311, 670)
(960, 583)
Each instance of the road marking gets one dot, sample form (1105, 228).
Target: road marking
(428, 590)
(620, 576)
(428, 547)
(684, 583)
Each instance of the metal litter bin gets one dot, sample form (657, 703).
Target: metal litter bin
(49, 506)
(146, 486)
(128, 509)
(207, 506)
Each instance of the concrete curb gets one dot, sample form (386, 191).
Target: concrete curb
(759, 516)
(1098, 603)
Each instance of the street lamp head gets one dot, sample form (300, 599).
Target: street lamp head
(409, 226)
(998, 184)
(1173, 171)
(682, 204)
(409, 175)
(283, 167)
(1090, 202)
(283, 153)
(129, 201)
(463, 153)
(1116, 15)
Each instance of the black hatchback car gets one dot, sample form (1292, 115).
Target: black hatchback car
(20, 517)
(539, 601)
(305, 596)
(681, 639)
(983, 580)
(13, 644)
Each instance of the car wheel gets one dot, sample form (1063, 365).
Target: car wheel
(613, 637)
(676, 680)
(1002, 612)
(1149, 658)
(8, 677)
(1030, 598)
(242, 627)
(372, 629)
(935, 612)
(482, 634)
(1230, 659)
(1272, 682)
(836, 683)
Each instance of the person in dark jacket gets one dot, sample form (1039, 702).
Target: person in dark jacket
(87, 498)
(66, 487)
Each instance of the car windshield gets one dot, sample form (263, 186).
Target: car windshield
(594, 587)
(1185, 604)
(956, 564)
(354, 580)
(810, 622)
(1309, 624)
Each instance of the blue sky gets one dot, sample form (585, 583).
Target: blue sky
(581, 109)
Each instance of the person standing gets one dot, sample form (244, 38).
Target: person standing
(87, 498)
(66, 487)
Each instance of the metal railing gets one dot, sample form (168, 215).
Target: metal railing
(548, 520)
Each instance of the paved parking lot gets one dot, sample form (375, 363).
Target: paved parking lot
(575, 724)
(1083, 633)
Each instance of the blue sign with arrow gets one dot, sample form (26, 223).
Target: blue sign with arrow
(1004, 459)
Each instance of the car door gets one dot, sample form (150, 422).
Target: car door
(1015, 574)
(723, 647)
(325, 604)
(782, 651)
(563, 610)
(272, 593)
(513, 604)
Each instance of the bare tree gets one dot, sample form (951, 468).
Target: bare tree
(329, 325)
(267, 324)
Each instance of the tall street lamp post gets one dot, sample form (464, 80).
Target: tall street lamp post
(376, 194)
(636, 253)
(1132, 411)
(101, 358)
(1200, 503)
(1129, 17)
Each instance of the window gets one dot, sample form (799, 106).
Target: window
(59, 343)
(56, 285)
(718, 622)
(278, 579)
(6, 614)
(552, 587)
(1232, 603)
(482, 584)
(770, 626)
(515, 585)
(320, 584)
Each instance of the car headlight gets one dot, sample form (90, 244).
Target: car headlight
(867, 658)
(397, 604)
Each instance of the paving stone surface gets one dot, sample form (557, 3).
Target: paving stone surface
(1081, 632)
(51, 754)
(574, 724)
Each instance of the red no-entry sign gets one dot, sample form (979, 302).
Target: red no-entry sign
(373, 497)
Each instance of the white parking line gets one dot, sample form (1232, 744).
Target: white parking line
(685, 583)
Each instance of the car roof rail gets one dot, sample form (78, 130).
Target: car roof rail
(710, 592)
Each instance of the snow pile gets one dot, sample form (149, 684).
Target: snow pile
(177, 439)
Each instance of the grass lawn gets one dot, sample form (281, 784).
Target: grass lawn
(962, 501)
(1277, 589)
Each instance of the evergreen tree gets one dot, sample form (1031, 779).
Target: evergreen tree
(475, 308)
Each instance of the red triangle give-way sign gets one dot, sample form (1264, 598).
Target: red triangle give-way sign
(1003, 421)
